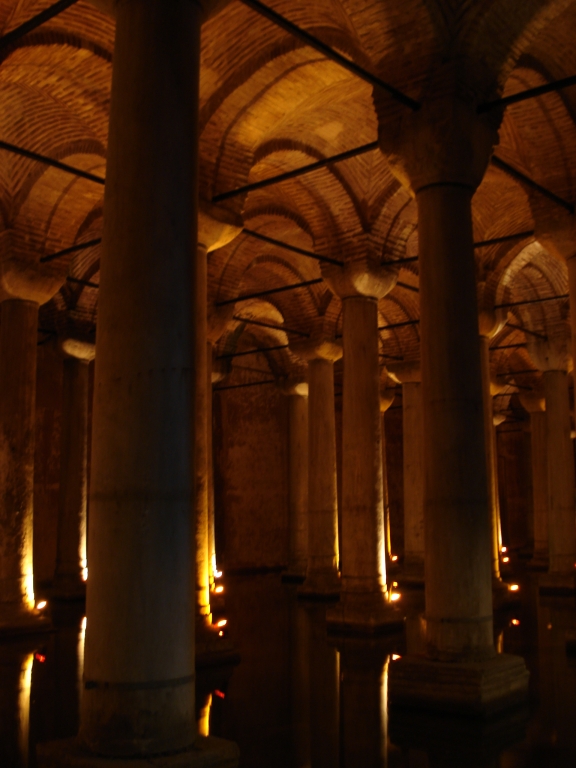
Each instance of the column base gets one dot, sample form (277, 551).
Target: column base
(469, 687)
(557, 584)
(364, 613)
(320, 585)
(16, 623)
(207, 752)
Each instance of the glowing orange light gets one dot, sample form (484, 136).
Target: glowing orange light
(549, 626)
(221, 634)
(514, 587)
(505, 559)
(218, 590)
(39, 657)
(393, 558)
(394, 583)
(395, 596)
(515, 622)
(222, 623)
(41, 605)
(395, 657)
(83, 625)
(217, 574)
(220, 694)
(504, 549)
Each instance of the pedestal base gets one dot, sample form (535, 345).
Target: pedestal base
(364, 614)
(320, 585)
(557, 584)
(472, 688)
(207, 752)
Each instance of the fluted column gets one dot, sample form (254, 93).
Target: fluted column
(442, 150)
(536, 407)
(297, 393)
(322, 577)
(364, 603)
(71, 563)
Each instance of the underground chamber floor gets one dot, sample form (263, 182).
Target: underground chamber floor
(300, 699)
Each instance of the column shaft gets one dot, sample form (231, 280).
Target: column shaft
(71, 545)
(363, 538)
(138, 696)
(561, 509)
(18, 338)
(457, 558)
(322, 573)
(298, 483)
(412, 424)
(539, 484)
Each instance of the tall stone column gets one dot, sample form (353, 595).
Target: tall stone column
(413, 453)
(71, 563)
(297, 393)
(386, 400)
(553, 358)
(364, 602)
(536, 407)
(443, 150)
(138, 697)
(322, 577)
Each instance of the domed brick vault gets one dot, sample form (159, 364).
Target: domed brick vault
(270, 104)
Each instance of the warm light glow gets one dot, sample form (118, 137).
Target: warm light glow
(505, 559)
(40, 657)
(219, 590)
(217, 574)
(24, 706)
(395, 596)
(204, 718)
(222, 623)
(220, 694)
(514, 587)
(515, 622)
(83, 624)
(394, 583)
(84, 574)
(41, 605)
(504, 549)
(395, 657)
(393, 558)
(221, 634)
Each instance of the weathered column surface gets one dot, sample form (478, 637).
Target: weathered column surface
(443, 150)
(71, 563)
(297, 393)
(322, 577)
(386, 399)
(410, 377)
(364, 602)
(536, 407)
(138, 697)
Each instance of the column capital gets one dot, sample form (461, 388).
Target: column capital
(217, 226)
(386, 399)
(22, 276)
(317, 349)
(405, 373)
(294, 385)
(532, 402)
(361, 278)
(444, 142)
(77, 348)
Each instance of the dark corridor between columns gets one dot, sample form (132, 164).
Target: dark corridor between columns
(298, 699)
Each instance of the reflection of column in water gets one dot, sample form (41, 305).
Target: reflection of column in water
(364, 703)
(324, 693)
(203, 722)
(15, 680)
(300, 685)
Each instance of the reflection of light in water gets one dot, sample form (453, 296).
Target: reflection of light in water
(204, 718)
(500, 643)
(81, 643)
(384, 712)
(24, 706)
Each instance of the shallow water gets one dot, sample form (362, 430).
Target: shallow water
(298, 700)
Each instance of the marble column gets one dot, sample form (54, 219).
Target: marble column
(322, 577)
(386, 399)
(71, 563)
(297, 393)
(364, 602)
(536, 407)
(413, 454)
(138, 699)
(443, 150)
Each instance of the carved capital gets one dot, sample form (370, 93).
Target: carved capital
(317, 349)
(361, 278)
(532, 402)
(78, 348)
(217, 226)
(405, 373)
(22, 276)
(294, 385)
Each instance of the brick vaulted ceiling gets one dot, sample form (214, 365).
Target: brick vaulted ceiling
(270, 104)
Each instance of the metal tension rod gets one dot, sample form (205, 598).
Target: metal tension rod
(87, 283)
(72, 249)
(249, 384)
(49, 161)
(35, 22)
(270, 325)
(504, 239)
(269, 292)
(230, 355)
(330, 53)
(528, 331)
(530, 93)
(519, 176)
(562, 296)
(297, 172)
(398, 325)
(407, 286)
(293, 248)
(517, 373)
(508, 346)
